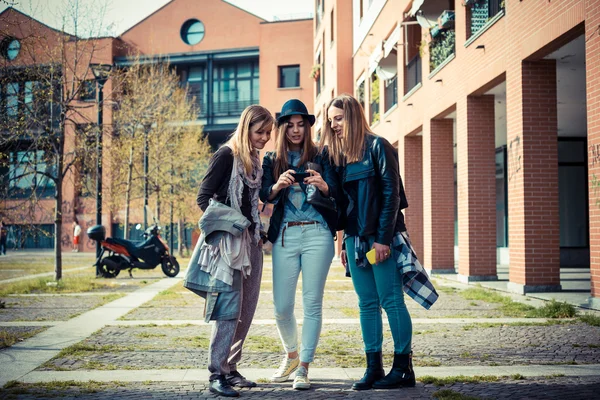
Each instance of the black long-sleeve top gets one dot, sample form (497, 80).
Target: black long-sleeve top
(216, 181)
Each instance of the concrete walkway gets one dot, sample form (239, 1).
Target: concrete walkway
(195, 375)
(22, 358)
(19, 362)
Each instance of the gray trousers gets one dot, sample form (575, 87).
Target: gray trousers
(227, 338)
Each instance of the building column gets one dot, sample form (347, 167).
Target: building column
(412, 178)
(533, 212)
(438, 195)
(476, 180)
(592, 56)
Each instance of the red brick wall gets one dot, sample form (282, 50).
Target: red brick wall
(413, 185)
(476, 186)
(438, 175)
(533, 176)
(592, 34)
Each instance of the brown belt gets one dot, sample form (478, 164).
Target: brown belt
(295, 223)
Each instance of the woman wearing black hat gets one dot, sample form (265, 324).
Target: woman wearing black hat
(300, 182)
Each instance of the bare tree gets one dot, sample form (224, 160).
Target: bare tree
(155, 120)
(45, 80)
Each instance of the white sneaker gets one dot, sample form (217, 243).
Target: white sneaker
(301, 381)
(288, 365)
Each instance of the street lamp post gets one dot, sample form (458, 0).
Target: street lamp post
(101, 73)
(146, 151)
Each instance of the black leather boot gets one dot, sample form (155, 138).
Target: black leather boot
(373, 373)
(401, 374)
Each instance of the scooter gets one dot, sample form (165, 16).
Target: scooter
(119, 254)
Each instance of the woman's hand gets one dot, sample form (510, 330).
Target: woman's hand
(316, 179)
(285, 180)
(344, 258)
(382, 252)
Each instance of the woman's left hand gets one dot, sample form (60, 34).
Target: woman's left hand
(316, 179)
(382, 252)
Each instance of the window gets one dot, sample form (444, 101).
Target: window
(360, 94)
(374, 104)
(25, 173)
(10, 48)
(289, 76)
(235, 87)
(331, 27)
(480, 13)
(391, 92)
(12, 99)
(318, 79)
(192, 32)
(87, 91)
(198, 87)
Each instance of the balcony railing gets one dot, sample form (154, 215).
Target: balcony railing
(441, 48)
(413, 73)
(225, 106)
(482, 11)
(391, 93)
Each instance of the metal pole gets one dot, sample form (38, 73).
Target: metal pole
(99, 97)
(146, 151)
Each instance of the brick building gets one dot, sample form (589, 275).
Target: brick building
(227, 57)
(494, 108)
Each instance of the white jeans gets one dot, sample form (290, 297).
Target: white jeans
(308, 249)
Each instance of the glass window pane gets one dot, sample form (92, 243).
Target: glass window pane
(12, 99)
(197, 73)
(289, 76)
(571, 151)
(244, 70)
(229, 72)
(572, 181)
(244, 92)
(255, 90)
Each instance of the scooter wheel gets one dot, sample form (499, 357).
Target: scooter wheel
(107, 268)
(170, 266)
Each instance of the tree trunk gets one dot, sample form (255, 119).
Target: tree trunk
(180, 236)
(128, 193)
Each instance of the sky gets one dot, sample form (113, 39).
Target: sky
(121, 15)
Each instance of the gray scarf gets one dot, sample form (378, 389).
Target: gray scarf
(236, 189)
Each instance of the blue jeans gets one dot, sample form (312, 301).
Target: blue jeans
(380, 286)
(308, 249)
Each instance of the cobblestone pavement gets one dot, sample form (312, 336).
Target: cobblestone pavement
(435, 344)
(49, 308)
(575, 388)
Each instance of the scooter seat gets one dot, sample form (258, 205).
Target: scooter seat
(129, 246)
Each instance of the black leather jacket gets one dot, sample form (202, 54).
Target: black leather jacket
(329, 176)
(379, 190)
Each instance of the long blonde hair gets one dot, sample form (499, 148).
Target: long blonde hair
(309, 150)
(239, 142)
(350, 148)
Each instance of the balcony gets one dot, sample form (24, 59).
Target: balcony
(413, 73)
(483, 11)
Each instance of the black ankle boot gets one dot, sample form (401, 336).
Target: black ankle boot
(373, 373)
(401, 374)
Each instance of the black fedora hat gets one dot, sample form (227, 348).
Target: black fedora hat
(294, 107)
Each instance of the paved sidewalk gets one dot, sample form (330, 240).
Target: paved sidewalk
(24, 357)
(152, 344)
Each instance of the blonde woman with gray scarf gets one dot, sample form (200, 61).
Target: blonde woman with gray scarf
(234, 177)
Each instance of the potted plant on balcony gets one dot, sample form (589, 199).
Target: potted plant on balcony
(315, 72)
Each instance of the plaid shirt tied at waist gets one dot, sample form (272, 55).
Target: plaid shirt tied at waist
(415, 281)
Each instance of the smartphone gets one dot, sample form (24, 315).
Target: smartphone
(371, 256)
(299, 176)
